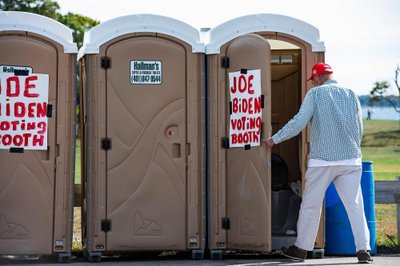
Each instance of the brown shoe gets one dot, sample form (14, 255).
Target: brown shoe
(363, 256)
(294, 253)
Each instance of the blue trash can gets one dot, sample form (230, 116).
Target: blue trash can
(339, 238)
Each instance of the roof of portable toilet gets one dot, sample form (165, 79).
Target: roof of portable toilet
(116, 27)
(50, 28)
(231, 29)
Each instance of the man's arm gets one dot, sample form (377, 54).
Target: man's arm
(296, 124)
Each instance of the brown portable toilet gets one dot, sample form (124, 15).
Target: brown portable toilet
(37, 135)
(141, 104)
(246, 199)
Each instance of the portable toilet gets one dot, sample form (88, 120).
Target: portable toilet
(37, 135)
(281, 51)
(141, 106)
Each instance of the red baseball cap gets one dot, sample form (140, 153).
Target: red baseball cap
(319, 69)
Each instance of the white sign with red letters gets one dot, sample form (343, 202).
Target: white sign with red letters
(23, 111)
(246, 108)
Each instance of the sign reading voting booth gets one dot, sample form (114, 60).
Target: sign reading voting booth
(246, 108)
(23, 111)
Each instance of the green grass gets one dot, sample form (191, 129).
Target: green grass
(386, 228)
(78, 162)
(77, 249)
(381, 145)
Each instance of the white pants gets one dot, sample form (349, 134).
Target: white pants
(347, 183)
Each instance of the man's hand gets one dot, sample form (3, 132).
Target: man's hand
(268, 144)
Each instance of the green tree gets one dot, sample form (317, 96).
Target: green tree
(380, 91)
(78, 24)
(49, 8)
(46, 8)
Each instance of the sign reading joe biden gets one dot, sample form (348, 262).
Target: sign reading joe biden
(23, 111)
(245, 108)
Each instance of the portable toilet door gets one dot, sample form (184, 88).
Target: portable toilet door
(142, 108)
(239, 175)
(37, 135)
(240, 190)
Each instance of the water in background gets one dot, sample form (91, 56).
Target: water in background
(381, 113)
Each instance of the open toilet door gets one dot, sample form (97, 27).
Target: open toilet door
(240, 188)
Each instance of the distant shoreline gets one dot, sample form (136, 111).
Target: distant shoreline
(365, 101)
(380, 113)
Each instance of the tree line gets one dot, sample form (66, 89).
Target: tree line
(49, 8)
(367, 100)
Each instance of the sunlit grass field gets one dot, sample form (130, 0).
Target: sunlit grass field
(78, 162)
(381, 145)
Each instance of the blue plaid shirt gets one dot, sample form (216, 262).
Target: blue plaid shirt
(336, 123)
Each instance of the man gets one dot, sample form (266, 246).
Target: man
(335, 155)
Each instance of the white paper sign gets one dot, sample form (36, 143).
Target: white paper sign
(246, 108)
(23, 111)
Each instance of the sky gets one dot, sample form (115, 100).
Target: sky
(361, 37)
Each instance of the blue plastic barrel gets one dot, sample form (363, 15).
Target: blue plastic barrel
(339, 238)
